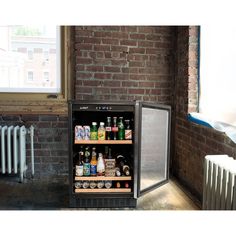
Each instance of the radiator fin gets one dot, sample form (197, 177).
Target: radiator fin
(219, 187)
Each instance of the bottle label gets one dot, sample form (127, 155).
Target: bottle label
(128, 134)
(93, 169)
(79, 170)
(93, 135)
(86, 169)
(108, 129)
(114, 129)
(101, 134)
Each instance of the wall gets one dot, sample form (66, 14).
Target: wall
(112, 63)
(192, 141)
(124, 63)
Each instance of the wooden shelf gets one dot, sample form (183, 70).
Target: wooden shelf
(103, 190)
(103, 178)
(102, 141)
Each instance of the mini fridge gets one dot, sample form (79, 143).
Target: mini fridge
(147, 151)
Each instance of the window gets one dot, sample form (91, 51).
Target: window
(25, 47)
(217, 73)
(30, 76)
(46, 76)
(37, 96)
(30, 55)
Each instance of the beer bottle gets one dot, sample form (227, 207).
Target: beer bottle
(108, 128)
(128, 131)
(123, 164)
(114, 128)
(79, 165)
(86, 165)
(121, 129)
(93, 163)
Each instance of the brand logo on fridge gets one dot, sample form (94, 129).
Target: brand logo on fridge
(83, 108)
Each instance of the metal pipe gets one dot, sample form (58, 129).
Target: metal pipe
(32, 149)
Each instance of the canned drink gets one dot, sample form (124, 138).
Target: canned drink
(86, 132)
(78, 184)
(79, 132)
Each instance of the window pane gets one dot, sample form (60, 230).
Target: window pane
(26, 53)
(217, 73)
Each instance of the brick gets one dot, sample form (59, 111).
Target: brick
(94, 68)
(128, 42)
(129, 28)
(137, 50)
(136, 91)
(84, 60)
(102, 76)
(91, 83)
(137, 36)
(111, 84)
(119, 35)
(118, 91)
(102, 47)
(110, 41)
(83, 75)
(119, 48)
(145, 29)
(102, 34)
(83, 46)
(145, 44)
(111, 69)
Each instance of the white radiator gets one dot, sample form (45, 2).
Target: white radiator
(13, 150)
(219, 187)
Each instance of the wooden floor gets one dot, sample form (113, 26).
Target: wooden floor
(34, 195)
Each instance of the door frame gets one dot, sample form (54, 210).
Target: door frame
(138, 142)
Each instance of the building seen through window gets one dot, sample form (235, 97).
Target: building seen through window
(28, 59)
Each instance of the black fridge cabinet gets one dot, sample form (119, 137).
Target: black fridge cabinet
(148, 151)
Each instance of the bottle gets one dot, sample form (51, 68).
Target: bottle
(100, 184)
(100, 165)
(105, 156)
(79, 165)
(121, 129)
(78, 184)
(108, 184)
(126, 184)
(109, 154)
(114, 128)
(85, 184)
(101, 132)
(86, 165)
(108, 128)
(117, 171)
(93, 163)
(94, 131)
(92, 184)
(123, 164)
(128, 131)
(117, 184)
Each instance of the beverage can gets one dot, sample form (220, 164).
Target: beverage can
(78, 184)
(86, 132)
(79, 132)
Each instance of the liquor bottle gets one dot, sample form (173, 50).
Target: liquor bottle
(93, 163)
(92, 184)
(117, 171)
(79, 164)
(123, 164)
(126, 184)
(101, 132)
(128, 131)
(114, 128)
(109, 154)
(86, 165)
(94, 131)
(121, 129)
(100, 165)
(108, 128)
(118, 184)
(85, 184)
(105, 156)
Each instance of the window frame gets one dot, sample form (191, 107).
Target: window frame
(15, 103)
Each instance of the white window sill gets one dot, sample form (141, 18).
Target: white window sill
(201, 119)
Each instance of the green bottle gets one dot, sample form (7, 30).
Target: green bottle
(94, 131)
(121, 129)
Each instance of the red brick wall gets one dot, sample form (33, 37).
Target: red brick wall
(192, 141)
(124, 63)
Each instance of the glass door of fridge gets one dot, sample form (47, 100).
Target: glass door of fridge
(152, 146)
